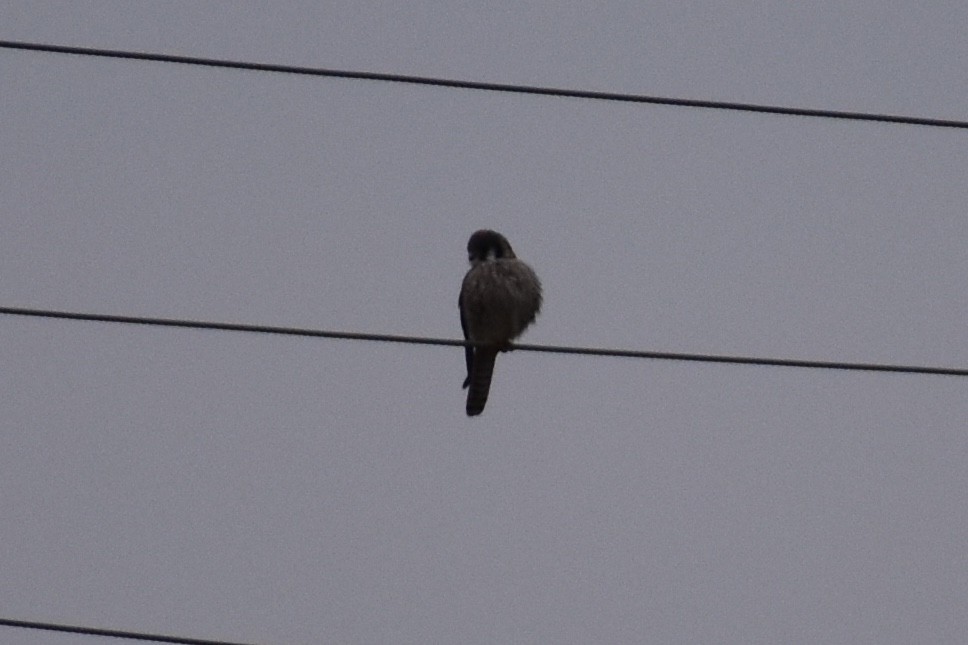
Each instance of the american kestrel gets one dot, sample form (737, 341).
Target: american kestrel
(499, 298)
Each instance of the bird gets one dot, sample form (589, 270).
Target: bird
(499, 297)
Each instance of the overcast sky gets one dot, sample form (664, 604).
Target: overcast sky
(286, 490)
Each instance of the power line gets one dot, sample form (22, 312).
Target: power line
(551, 349)
(475, 85)
(111, 633)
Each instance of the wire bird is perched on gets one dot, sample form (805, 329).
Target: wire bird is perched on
(499, 298)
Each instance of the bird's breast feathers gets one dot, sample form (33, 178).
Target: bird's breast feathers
(501, 298)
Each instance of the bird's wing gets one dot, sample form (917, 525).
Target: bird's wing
(468, 351)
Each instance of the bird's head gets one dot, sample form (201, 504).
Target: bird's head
(486, 245)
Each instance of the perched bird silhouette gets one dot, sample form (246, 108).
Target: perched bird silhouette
(499, 298)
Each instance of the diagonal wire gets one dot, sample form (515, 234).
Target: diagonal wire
(477, 85)
(111, 633)
(551, 349)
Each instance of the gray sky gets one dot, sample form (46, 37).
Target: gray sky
(290, 490)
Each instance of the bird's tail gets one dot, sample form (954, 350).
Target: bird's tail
(480, 380)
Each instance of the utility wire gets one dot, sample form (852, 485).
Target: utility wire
(475, 85)
(551, 349)
(111, 633)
